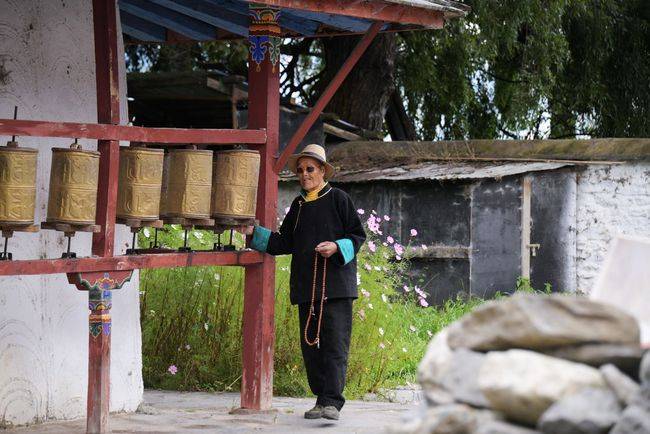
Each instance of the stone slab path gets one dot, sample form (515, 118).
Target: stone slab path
(198, 412)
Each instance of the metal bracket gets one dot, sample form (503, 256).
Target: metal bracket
(533, 248)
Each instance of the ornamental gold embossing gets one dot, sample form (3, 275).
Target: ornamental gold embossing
(190, 182)
(17, 185)
(73, 186)
(140, 180)
(236, 175)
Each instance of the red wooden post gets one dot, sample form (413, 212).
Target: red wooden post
(263, 112)
(108, 112)
(99, 286)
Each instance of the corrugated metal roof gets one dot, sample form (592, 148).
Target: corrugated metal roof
(441, 171)
(207, 20)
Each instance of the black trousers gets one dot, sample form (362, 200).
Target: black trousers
(326, 366)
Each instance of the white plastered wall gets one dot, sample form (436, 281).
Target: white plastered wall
(47, 70)
(611, 200)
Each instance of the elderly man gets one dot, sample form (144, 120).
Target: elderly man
(323, 233)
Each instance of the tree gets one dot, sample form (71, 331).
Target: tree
(511, 68)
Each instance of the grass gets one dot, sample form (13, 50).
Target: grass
(191, 323)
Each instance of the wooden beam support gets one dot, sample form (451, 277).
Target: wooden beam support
(370, 10)
(127, 262)
(181, 136)
(327, 95)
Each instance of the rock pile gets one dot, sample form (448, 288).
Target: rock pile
(551, 364)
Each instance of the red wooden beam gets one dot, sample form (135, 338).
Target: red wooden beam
(258, 330)
(179, 136)
(371, 10)
(327, 95)
(128, 262)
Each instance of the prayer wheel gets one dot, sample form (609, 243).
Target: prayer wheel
(234, 194)
(17, 184)
(140, 182)
(73, 186)
(189, 184)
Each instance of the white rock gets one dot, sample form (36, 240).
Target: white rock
(539, 322)
(433, 369)
(522, 384)
(590, 411)
(623, 386)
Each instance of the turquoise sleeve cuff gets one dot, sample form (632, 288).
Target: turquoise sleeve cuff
(260, 240)
(346, 248)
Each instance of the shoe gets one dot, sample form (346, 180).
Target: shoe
(330, 412)
(314, 413)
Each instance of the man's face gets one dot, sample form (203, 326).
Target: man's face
(311, 173)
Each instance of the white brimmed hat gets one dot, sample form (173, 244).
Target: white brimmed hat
(317, 152)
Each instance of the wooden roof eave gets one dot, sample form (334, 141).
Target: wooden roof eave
(369, 10)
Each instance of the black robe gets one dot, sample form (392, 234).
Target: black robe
(331, 217)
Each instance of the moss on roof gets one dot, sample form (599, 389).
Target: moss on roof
(365, 155)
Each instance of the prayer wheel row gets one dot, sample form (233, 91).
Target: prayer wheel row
(186, 183)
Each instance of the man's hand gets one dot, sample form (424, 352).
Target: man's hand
(246, 230)
(327, 248)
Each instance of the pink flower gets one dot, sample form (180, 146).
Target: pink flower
(424, 246)
(390, 239)
(398, 257)
(423, 303)
(172, 369)
(399, 249)
(386, 218)
(419, 292)
(367, 266)
(414, 232)
(372, 247)
(381, 345)
(406, 289)
(360, 211)
(365, 293)
(373, 224)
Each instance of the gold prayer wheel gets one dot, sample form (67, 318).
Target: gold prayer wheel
(189, 184)
(140, 182)
(73, 186)
(17, 184)
(236, 174)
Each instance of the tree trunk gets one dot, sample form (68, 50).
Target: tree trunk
(363, 97)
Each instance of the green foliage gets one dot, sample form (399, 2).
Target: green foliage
(512, 67)
(191, 319)
(524, 285)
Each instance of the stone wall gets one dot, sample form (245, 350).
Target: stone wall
(612, 199)
(47, 55)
